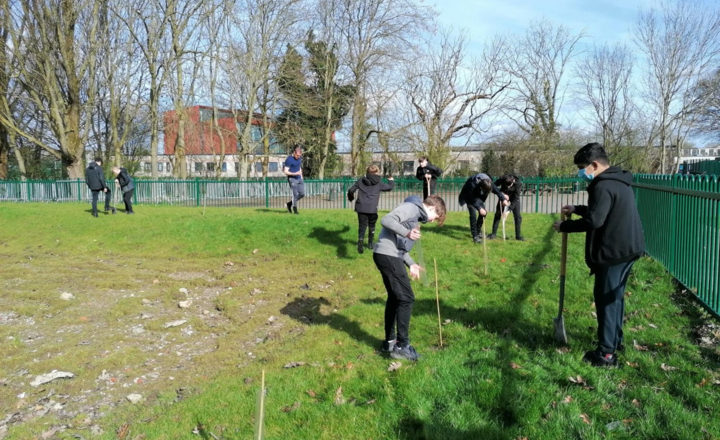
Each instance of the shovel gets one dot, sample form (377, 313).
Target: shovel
(559, 322)
(504, 217)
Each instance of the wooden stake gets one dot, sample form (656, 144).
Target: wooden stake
(485, 246)
(437, 300)
(261, 409)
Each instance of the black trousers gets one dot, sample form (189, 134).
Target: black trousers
(400, 298)
(95, 195)
(127, 199)
(365, 220)
(433, 185)
(609, 293)
(476, 220)
(515, 208)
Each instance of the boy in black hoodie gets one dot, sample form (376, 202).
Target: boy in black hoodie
(95, 179)
(614, 240)
(475, 192)
(369, 188)
(127, 186)
(511, 186)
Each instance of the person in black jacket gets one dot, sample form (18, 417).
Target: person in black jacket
(127, 186)
(511, 186)
(475, 192)
(429, 174)
(368, 189)
(95, 179)
(613, 241)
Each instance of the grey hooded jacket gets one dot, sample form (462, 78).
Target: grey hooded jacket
(397, 225)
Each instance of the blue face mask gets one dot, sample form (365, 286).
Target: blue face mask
(584, 175)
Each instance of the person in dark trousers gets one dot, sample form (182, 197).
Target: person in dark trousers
(511, 186)
(429, 174)
(292, 168)
(368, 189)
(474, 193)
(127, 186)
(400, 229)
(95, 179)
(613, 241)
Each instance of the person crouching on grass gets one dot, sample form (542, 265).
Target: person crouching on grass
(400, 229)
(613, 241)
(368, 189)
(475, 192)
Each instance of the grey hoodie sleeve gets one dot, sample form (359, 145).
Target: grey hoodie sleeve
(407, 259)
(393, 221)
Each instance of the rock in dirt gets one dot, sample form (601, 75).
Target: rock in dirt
(67, 296)
(134, 398)
(185, 304)
(49, 377)
(183, 290)
(177, 323)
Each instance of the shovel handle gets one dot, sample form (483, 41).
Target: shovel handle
(563, 248)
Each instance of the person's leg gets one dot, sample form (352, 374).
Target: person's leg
(609, 291)
(300, 193)
(362, 225)
(433, 186)
(95, 195)
(496, 219)
(108, 194)
(473, 220)
(382, 262)
(516, 209)
(127, 198)
(405, 298)
(425, 189)
(480, 206)
(372, 220)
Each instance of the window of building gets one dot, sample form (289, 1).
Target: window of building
(408, 166)
(273, 167)
(210, 166)
(224, 166)
(168, 167)
(256, 133)
(258, 167)
(160, 167)
(198, 167)
(147, 166)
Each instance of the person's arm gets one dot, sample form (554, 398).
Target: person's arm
(435, 171)
(351, 192)
(420, 173)
(407, 259)
(497, 192)
(388, 186)
(393, 220)
(595, 216)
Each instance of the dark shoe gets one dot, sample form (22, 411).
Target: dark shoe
(408, 352)
(477, 239)
(360, 247)
(492, 236)
(295, 209)
(388, 346)
(130, 212)
(598, 359)
(289, 207)
(520, 238)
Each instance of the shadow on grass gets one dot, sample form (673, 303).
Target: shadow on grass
(332, 238)
(307, 310)
(411, 428)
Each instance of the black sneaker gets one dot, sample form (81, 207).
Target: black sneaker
(289, 207)
(295, 209)
(598, 359)
(492, 237)
(520, 238)
(477, 239)
(388, 346)
(360, 247)
(407, 352)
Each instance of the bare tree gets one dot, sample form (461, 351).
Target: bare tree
(707, 105)
(679, 41)
(537, 63)
(56, 53)
(377, 35)
(449, 97)
(604, 75)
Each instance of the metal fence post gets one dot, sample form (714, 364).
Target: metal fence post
(537, 194)
(197, 191)
(344, 191)
(267, 193)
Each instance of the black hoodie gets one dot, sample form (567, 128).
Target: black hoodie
(368, 188)
(611, 220)
(95, 177)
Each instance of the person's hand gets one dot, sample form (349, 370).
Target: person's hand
(428, 176)
(507, 197)
(414, 234)
(390, 178)
(415, 270)
(506, 203)
(482, 212)
(568, 209)
(105, 190)
(556, 225)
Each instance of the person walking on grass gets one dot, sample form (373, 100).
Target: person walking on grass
(292, 168)
(368, 189)
(428, 174)
(95, 180)
(400, 230)
(475, 192)
(511, 186)
(613, 241)
(127, 186)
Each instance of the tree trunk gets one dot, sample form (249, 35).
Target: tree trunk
(19, 157)
(180, 159)
(4, 149)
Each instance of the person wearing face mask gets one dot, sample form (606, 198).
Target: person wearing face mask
(614, 239)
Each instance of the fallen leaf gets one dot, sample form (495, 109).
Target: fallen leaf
(702, 383)
(667, 367)
(294, 406)
(639, 347)
(370, 402)
(156, 281)
(294, 364)
(577, 380)
(502, 260)
(311, 393)
(255, 251)
(563, 350)
(339, 399)
(349, 366)
(515, 366)
(123, 431)
(394, 366)
(632, 364)
(567, 399)
(636, 403)
(652, 326)
(229, 263)
(585, 419)
(447, 321)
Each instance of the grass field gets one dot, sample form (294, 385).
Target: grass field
(270, 290)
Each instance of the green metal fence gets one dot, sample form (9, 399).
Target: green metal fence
(711, 167)
(539, 195)
(681, 219)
